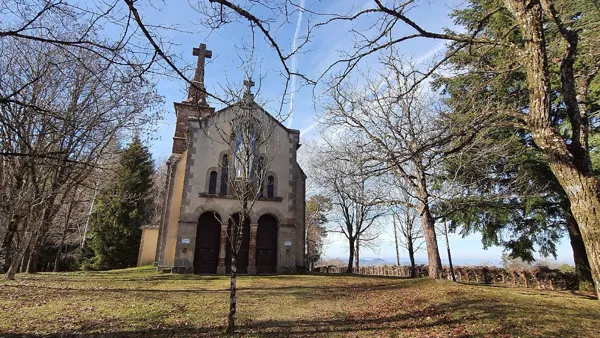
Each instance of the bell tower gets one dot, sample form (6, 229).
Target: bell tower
(195, 104)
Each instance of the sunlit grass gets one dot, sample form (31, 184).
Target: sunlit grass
(140, 302)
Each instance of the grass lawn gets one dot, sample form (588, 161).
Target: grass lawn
(140, 302)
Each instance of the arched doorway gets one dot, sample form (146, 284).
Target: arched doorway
(208, 237)
(266, 245)
(242, 257)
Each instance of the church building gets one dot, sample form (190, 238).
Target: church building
(201, 204)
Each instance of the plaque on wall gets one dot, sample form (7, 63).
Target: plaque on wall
(287, 243)
(185, 240)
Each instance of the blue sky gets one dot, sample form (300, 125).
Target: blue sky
(226, 69)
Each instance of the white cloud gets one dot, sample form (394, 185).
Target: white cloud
(433, 52)
(293, 68)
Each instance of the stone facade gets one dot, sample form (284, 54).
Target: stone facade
(185, 235)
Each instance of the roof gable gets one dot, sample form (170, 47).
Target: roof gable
(261, 109)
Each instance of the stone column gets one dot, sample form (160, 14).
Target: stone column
(252, 250)
(221, 270)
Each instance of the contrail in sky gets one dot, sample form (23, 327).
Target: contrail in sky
(293, 84)
(420, 60)
(431, 53)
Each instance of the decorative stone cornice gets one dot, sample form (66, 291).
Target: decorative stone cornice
(231, 197)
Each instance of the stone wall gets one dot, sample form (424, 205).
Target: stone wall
(286, 244)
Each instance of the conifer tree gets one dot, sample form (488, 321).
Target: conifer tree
(317, 208)
(123, 206)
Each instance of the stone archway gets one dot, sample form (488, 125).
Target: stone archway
(208, 238)
(266, 244)
(243, 254)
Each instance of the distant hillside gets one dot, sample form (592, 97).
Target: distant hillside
(376, 261)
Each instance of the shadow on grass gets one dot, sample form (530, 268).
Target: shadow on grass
(471, 317)
(536, 291)
(469, 313)
(320, 291)
(465, 318)
(165, 331)
(271, 328)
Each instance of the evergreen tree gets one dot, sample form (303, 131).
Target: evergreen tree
(317, 208)
(122, 207)
(521, 201)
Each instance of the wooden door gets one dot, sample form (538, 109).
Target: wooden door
(266, 245)
(243, 254)
(208, 237)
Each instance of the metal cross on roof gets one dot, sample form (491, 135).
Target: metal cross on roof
(248, 83)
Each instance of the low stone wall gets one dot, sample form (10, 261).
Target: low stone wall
(537, 277)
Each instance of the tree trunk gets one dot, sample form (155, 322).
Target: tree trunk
(396, 242)
(434, 261)
(357, 255)
(351, 247)
(411, 256)
(38, 239)
(14, 265)
(62, 238)
(89, 216)
(32, 258)
(449, 255)
(570, 168)
(582, 265)
(44, 225)
(232, 296)
(6, 246)
(585, 208)
(19, 256)
(236, 238)
(23, 264)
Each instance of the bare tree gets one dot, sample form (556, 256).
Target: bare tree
(448, 250)
(355, 195)
(396, 242)
(402, 135)
(541, 38)
(66, 115)
(71, 29)
(406, 225)
(368, 240)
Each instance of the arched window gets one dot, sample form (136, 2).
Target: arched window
(244, 147)
(224, 174)
(270, 186)
(212, 183)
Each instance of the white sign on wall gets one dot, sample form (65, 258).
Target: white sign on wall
(185, 240)
(287, 243)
